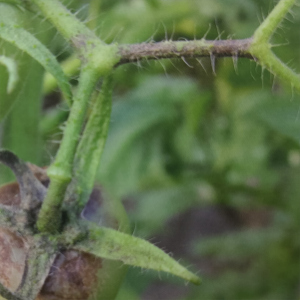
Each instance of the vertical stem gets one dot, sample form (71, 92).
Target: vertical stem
(91, 145)
(60, 172)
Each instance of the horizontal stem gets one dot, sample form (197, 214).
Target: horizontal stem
(186, 49)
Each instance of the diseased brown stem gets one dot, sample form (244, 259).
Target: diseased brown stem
(184, 49)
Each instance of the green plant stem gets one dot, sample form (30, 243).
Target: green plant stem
(92, 143)
(98, 60)
(261, 49)
(269, 60)
(91, 50)
(269, 25)
(60, 172)
(65, 22)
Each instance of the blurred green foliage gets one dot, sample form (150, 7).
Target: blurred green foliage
(185, 143)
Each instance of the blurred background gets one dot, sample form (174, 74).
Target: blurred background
(207, 162)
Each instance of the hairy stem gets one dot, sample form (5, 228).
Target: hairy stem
(97, 59)
(65, 22)
(60, 172)
(268, 60)
(261, 49)
(269, 25)
(192, 49)
(90, 49)
(92, 143)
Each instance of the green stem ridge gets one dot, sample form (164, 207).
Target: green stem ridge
(90, 148)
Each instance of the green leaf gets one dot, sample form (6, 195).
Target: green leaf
(12, 69)
(112, 244)
(32, 46)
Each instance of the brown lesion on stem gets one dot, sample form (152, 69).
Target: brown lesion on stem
(186, 49)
